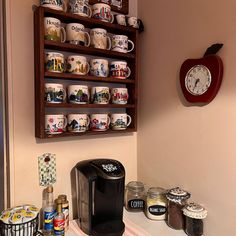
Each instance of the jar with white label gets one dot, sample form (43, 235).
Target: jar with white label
(135, 196)
(156, 204)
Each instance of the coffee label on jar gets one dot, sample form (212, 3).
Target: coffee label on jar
(136, 204)
(157, 210)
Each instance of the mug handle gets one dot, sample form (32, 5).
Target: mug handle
(64, 6)
(88, 68)
(88, 39)
(109, 43)
(129, 120)
(111, 18)
(129, 72)
(88, 121)
(108, 120)
(90, 12)
(65, 122)
(64, 95)
(132, 46)
(109, 97)
(63, 35)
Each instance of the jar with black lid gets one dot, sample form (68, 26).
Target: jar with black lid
(177, 199)
(135, 196)
(194, 214)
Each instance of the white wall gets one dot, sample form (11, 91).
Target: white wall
(190, 147)
(25, 148)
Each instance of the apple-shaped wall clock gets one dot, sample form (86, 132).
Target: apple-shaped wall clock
(200, 79)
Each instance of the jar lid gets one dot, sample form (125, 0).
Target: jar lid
(177, 195)
(135, 186)
(194, 210)
(155, 191)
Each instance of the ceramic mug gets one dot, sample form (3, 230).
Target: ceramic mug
(99, 122)
(133, 21)
(78, 123)
(75, 34)
(100, 39)
(55, 124)
(78, 94)
(102, 12)
(120, 70)
(120, 19)
(54, 93)
(119, 95)
(77, 65)
(54, 4)
(120, 121)
(54, 62)
(80, 7)
(53, 30)
(120, 43)
(100, 95)
(99, 67)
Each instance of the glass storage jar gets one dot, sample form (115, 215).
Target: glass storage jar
(177, 198)
(135, 196)
(156, 204)
(194, 214)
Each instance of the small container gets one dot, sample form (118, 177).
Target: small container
(156, 204)
(194, 214)
(177, 198)
(65, 209)
(135, 196)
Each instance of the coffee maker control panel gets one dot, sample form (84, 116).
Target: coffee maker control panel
(110, 169)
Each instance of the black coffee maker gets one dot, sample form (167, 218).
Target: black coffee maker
(100, 197)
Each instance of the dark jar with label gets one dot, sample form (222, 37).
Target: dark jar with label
(194, 214)
(135, 196)
(177, 199)
(156, 204)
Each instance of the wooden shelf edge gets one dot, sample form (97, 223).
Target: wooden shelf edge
(71, 105)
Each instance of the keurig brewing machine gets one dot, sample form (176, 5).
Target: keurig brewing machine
(100, 197)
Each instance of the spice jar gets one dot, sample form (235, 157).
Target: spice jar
(177, 198)
(135, 196)
(156, 204)
(195, 214)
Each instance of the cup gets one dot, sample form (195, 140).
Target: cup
(75, 34)
(119, 95)
(99, 67)
(55, 124)
(80, 7)
(54, 4)
(78, 94)
(54, 62)
(100, 39)
(120, 19)
(120, 43)
(100, 95)
(102, 11)
(99, 122)
(120, 121)
(133, 21)
(53, 30)
(77, 65)
(54, 93)
(78, 123)
(119, 69)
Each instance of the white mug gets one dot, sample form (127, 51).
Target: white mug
(120, 121)
(54, 62)
(120, 70)
(75, 34)
(77, 65)
(100, 39)
(99, 122)
(99, 67)
(78, 123)
(121, 20)
(120, 43)
(102, 12)
(100, 95)
(55, 124)
(54, 4)
(133, 21)
(53, 30)
(78, 94)
(119, 95)
(80, 7)
(54, 93)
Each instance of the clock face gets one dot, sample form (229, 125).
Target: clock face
(198, 80)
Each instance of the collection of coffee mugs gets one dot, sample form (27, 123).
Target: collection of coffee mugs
(78, 123)
(100, 11)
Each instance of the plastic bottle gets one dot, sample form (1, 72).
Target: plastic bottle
(59, 220)
(48, 212)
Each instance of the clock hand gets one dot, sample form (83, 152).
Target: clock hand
(196, 82)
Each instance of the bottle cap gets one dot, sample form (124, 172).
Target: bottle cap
(195, 211)
(49, 189)
(63, 197)
(177, 195)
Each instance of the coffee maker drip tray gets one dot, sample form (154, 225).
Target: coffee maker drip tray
(109, 228)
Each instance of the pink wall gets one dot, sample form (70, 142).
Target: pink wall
(191, 147)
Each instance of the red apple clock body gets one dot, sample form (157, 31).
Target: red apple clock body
(200, 79)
